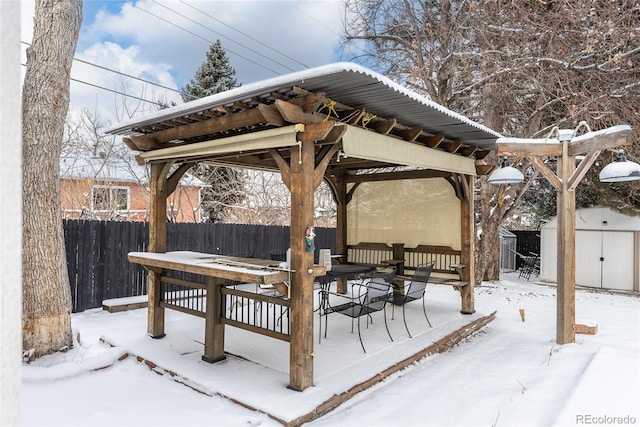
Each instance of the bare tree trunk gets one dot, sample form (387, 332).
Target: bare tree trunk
(45, 100)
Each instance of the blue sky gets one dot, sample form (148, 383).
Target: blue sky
(165, 41)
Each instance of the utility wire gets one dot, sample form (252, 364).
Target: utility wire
(203, 38)
(111, 90)
(315, 19)
(247, 35)
(123, 74)
(223, 36)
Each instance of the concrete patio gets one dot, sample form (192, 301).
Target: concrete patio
(255, 372)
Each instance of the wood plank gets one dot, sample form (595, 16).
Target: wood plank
(301, 309)
(317, 131)
(214, 328)
(565, 310)
(411, 134)
(295, 114)
(384, 126)
(212, 269)
(586, 329)
(431, 141)
(600, 141)
(552, 149)
(450, 146)
(205, 127)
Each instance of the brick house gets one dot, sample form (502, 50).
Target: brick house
(117, 190)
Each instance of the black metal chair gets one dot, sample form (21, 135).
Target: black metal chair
(414, 292)
(372, 297)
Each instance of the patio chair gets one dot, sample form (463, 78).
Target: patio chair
(372, 297)
(415, 291)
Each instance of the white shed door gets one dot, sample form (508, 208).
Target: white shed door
(604, 259)
(588, 253)
(617, 268)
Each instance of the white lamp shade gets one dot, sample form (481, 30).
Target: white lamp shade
(620, 170)
(506, 175)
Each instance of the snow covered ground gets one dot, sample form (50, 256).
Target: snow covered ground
(511, 373)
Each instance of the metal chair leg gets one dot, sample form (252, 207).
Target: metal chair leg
(404, 317)
(424, 308)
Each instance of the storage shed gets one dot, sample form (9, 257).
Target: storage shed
(508, 242)
(607, 250)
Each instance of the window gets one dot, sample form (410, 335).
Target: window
(110, 198)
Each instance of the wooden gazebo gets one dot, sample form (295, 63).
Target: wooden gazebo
(339, 123)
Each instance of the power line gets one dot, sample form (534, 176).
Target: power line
(110, 90)
(246, 35)
(208, 41)
(223, 36)
(123, 74)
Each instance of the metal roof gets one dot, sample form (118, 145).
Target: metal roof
(346, 83)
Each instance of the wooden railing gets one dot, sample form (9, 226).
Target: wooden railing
(447, 261)
(263, 314)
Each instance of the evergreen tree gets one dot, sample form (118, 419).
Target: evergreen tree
(214, 75)
(226, 185)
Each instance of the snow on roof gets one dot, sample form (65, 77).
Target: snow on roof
(348, 83)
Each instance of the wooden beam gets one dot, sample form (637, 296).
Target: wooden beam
(582, 169)
(351, 191)
(271, 114)
(467, 150)
(481, 154)
(384, 126)
(174, 179)
(285, 169)
(411, 134)
(301, 298)
(545, 171)
(566, 256)
(600, 140)
(157, 243)
(295, 114)
(548, 149)
(214, 328)
(325, 157)
(431, 141)
(241, 105)
(129, 143)
(450, 146)
(467, 249)
(394, 176)
(163, 185)
(484, 169)
(205, 127)
(335, 134)
(316, 131)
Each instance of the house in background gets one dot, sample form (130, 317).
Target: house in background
(117, 190)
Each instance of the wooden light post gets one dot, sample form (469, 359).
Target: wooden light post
(565, 145)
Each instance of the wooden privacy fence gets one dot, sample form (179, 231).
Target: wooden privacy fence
(97, 252)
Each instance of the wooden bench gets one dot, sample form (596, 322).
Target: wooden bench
(447, 268)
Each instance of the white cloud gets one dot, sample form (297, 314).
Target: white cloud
(143, 39)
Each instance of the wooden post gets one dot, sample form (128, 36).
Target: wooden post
(566, 259)
(398, 253)
(467, 239)
(213, 329)
(301, 310)
(157, 243)
(341, 225)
